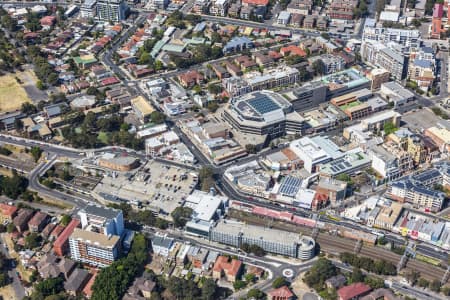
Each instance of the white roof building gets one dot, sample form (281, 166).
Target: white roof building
(315, 150)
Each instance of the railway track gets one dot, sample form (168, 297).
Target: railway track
(335, 244)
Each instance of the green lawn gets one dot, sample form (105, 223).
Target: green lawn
(350, 105)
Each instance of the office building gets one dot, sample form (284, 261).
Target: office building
(314, 151)
(206, 208)
(112, 10)
(263, 113)
(308, 96)
(349, 164)
(389, 165)
(395, 93)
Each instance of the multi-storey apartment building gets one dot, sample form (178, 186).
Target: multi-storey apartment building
(219, 7)
(88, 9)
(332, 63)
(387, 56)
(255, 81)
(104, 220)
(94, 248)
(342, 9)
(112, 10)
(98, 242)
(407, 38)
(418, 195)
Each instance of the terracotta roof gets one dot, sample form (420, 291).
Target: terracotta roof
(37, 219)
(87, 290)
(281, 293)
(57, 231)
(353, 290)
(7, 210)
(256, 2)
(293, 50)
(64, 236)
(230, 268)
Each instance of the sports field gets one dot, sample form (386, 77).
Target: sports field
(12, 94)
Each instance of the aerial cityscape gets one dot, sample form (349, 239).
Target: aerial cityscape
(224, 149)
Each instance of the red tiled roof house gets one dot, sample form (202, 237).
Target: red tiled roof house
(223, 267)
(353, 291)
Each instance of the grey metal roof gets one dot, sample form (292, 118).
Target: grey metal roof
(106, 212)
(162, 241)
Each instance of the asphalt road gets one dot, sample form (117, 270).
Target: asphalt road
(19, 289)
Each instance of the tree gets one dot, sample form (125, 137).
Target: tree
(157, 117)
(325, 35)
(249, 277)
(18, 124)
(279, 282)
(13, 186)
(50, 286)
(256, 294)
(214, 88)
(181, 215)
(213, 106)
(40, 85)
(10, 228)
(416, 23)
(112, 282)
(239, 284)
(374, 282)
(9, 23)
(158, 65)
(412, 277)
(205, 176)
(28, 108)
(319, 67)
(91, 91)
(435, 286)
(319, 272)
(197, 89)
(36, 152)
(250, 148)
(65, 220)
(32, 240)
(357, 275)
(145, 58)
(389, 128)
(423, 283)
(209, 289)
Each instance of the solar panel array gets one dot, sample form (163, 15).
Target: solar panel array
(339, 165)
(263, 104)
(290, 186)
